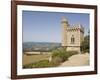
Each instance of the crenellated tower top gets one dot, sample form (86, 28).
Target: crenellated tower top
(75, 28)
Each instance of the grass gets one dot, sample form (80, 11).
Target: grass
(42, 60)
(27, 59)
(40, 64)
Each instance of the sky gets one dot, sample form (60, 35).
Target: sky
(46, 26)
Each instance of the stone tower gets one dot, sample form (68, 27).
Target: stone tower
(72, 35)
(64, 24)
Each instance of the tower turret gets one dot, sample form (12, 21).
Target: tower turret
(65, 25)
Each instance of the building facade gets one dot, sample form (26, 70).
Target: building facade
(72, 35)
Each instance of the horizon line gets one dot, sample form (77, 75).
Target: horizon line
(41, 41)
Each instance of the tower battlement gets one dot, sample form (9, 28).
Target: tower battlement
(75, 28)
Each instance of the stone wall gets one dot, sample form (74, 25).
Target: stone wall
(74, 48)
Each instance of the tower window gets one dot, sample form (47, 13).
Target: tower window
(72, 39)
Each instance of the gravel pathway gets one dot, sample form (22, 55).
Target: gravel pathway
(77, 60)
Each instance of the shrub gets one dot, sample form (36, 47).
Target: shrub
(60, 53)
(70, 53)
(56, 61)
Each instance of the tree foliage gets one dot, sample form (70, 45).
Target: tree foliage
(85, 45)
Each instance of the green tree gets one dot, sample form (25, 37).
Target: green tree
(85, 45)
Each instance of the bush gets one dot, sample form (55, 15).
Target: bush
(70, 53)
(56, 61)
(60, 53)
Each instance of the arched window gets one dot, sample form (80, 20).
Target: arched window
(72, 39)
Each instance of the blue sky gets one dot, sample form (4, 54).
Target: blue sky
(46, 26)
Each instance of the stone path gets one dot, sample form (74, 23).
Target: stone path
(77, 60)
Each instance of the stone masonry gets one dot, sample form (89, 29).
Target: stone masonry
(72, 35)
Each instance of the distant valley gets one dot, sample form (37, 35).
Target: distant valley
(40, 46)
